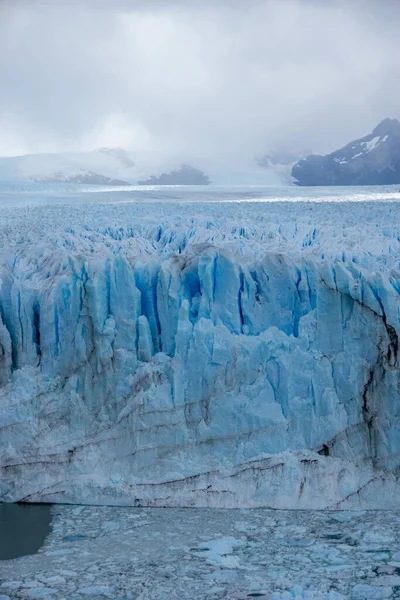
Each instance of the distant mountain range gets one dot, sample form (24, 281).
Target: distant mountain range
(106, 166)
(116, 166)
(371, 160)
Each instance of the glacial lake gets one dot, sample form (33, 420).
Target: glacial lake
(23, 529)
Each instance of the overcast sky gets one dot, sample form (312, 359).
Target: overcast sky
(202, 77)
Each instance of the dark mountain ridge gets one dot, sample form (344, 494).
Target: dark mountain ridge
(186, 175)
(371, 160)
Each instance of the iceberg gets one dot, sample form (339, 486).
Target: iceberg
(199, 362)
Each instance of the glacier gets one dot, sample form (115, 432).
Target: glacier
(200, 354)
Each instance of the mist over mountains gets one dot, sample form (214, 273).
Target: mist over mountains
(371, 160)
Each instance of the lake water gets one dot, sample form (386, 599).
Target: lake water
(23, 529)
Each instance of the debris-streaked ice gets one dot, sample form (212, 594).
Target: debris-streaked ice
(201, 354)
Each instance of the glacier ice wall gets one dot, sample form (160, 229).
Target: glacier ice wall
(195, 364)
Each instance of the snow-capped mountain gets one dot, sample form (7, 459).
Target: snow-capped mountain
(371, 160)
(105, 166)
(108, 166)
(113, 166)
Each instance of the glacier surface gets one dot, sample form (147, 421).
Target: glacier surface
(200, 354)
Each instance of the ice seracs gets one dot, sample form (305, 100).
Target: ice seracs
(152, 356)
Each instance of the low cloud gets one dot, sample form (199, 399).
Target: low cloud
(195, 78)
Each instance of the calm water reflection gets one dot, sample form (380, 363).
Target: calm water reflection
(23, 528)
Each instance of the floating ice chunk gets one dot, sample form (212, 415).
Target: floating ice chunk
(369, 592)
(111, 526)
(12, 585)
(218, 552)
(40, 592)
(96, 590)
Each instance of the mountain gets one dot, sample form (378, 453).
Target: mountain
(105, 166)
(186, 175)
(116, 166)
(371, 160)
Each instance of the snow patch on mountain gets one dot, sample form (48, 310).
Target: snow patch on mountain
(366, 147)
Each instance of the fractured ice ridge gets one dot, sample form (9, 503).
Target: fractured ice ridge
(231, 372)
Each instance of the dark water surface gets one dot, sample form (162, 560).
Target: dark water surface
(23, 528)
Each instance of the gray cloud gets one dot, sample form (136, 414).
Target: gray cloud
(207, 78)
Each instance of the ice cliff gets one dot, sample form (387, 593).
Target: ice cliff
(197, 362)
